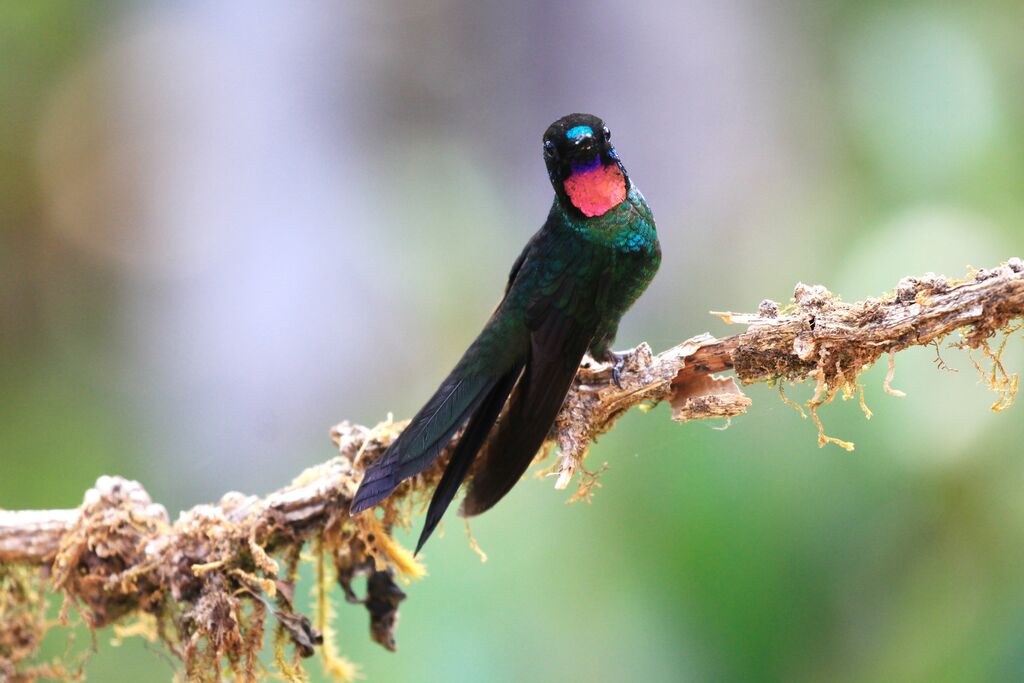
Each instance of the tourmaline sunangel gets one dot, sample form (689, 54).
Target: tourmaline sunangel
(593, 257)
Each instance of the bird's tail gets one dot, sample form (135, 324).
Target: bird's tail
(472, 440)
(421, 442)
(482, 379)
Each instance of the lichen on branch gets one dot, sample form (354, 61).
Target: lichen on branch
(206, 585)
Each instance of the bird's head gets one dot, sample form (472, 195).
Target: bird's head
(584, 168)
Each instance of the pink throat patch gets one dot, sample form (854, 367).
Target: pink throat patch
(596, 190)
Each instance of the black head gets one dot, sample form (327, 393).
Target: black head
(580, 145)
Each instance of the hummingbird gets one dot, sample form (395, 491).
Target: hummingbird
(593, 257)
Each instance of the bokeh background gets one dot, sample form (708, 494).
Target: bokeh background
(226, 226)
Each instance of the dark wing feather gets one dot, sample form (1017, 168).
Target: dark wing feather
(435, 429)
(465, 452)
(428, 432)
(459, 396)
(557, 344)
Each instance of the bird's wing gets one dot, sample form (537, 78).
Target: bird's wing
(482, 376)
(562, 319)
(427, 434)
(465, 452)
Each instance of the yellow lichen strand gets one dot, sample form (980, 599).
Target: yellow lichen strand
(473, 545)
(823, 395)
(334, 665)
(996, 376)
(588, 482)
(385, 550)
(788, 401)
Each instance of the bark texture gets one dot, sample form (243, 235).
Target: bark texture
(207, 580)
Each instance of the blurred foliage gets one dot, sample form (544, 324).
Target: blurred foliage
(226, 226)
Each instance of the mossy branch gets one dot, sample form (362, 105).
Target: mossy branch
(204, 584)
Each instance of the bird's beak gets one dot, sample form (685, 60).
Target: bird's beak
(584, 142)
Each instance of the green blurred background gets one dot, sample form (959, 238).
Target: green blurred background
(226, 226)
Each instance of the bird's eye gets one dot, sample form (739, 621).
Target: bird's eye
(607, 134)
(549, 147)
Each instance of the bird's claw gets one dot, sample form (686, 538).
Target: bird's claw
(618, 360)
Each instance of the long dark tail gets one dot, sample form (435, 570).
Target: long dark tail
(472, 440)
(427, 434)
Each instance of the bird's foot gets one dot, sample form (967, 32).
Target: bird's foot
(618, 360)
